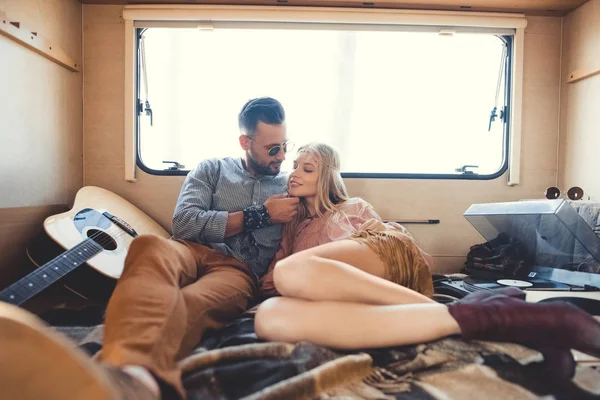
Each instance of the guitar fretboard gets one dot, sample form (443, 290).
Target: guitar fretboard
(53, 270)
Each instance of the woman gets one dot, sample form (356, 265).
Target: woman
(349, 281)
(375, 250)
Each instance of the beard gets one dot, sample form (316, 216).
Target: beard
(273, 168)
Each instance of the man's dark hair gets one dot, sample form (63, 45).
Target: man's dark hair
(264, 109)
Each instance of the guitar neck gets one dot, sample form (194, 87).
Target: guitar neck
(52, 271)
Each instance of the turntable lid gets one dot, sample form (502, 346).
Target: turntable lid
(556, 233)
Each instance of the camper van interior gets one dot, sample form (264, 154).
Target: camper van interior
(299, 199)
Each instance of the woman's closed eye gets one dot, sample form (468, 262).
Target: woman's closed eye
(308, 170)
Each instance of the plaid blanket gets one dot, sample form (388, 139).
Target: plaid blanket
(233, 364)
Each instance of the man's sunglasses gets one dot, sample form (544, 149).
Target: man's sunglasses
(575, 193)
(272, 151)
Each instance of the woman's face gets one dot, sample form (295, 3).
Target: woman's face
(304, 177)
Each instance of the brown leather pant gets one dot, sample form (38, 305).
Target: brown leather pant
(169, 294)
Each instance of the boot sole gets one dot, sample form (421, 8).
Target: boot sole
(36, 363)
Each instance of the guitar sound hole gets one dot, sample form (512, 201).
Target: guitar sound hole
(102, 238)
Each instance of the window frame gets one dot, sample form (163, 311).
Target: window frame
(512, 88)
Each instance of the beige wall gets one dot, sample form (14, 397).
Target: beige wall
(41, 108)
(580, 101)
(41, 132)
(393, 199)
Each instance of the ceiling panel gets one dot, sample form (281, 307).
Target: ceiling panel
(530, 7)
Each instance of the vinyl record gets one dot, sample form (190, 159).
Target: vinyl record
(474, 284)
(514, 282)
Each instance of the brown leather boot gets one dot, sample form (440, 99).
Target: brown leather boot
(508, 319)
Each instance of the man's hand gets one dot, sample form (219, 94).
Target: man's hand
(282, 208)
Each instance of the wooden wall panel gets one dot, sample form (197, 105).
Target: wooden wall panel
(531, 7)
(580, 101)
(18, 227)
(393, 199)
(41, 108)
(41, 128)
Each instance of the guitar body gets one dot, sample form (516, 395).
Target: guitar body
(85, 247)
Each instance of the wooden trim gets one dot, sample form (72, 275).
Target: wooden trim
(554, 8)
(514, 152)
(581, 74)
(130, 95)
(320, 15)
(34, 41)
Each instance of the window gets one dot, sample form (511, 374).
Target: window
(395, 103)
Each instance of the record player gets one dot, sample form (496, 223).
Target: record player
(559, 246)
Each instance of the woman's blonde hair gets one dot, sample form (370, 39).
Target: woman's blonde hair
(331, 189)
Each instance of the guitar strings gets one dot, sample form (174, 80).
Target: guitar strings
(109, 232)
(118, 228)
(114, 232)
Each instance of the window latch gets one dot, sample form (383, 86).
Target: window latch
(494, 114)
(175, 167)
(148, 111)
(493, 117)
(463, 169)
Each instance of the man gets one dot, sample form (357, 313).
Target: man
(226, 229)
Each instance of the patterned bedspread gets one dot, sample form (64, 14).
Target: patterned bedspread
(233, 364)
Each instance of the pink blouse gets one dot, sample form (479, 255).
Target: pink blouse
(315, 231)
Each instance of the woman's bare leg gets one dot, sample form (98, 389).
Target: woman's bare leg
(341, 271)
(350, 325)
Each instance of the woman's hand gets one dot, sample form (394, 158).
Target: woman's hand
(397, 226)
(373, 225)
(376, 225)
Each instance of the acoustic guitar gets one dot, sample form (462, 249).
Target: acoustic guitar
(84, 248)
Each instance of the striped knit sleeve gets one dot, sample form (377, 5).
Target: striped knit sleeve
(193, 219)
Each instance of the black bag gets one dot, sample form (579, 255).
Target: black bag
(500, 257)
